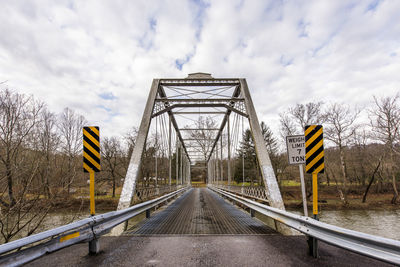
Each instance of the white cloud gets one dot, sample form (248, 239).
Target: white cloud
(73, 53)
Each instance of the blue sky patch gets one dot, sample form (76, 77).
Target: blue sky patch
(199, 15)
(107, 96)
(180, 62)
(373, 5)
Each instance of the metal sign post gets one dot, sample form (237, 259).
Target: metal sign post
(314, 165)
(91, 158)
(296, 156)
(91, 164)
(303, 190)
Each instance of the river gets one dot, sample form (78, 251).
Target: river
(383, 223)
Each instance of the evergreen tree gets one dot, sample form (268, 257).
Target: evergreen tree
(247, 152)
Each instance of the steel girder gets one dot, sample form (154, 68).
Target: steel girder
(240, 94)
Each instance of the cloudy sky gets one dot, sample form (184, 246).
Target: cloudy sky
(99, 57)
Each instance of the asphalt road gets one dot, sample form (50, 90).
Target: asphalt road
(222, 250)
(202, 229)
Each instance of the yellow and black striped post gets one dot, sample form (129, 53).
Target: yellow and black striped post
(314, 164)
(314, 157)
(91, 157)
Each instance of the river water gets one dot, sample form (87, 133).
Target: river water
(385, 223)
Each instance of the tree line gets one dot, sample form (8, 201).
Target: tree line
(41, 161)
(362, 146)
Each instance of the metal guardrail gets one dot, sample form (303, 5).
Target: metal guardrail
(380, 248)
(86, 230)
(254, 192)
(146, 193)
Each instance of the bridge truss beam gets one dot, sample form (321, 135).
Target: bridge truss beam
(200, 95)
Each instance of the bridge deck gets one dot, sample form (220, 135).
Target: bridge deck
(201, 229)
(201, 212)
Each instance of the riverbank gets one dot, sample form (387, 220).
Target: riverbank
(83, 204)
(328, 199)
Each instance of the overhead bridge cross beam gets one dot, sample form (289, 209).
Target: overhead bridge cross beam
(198, 105)
(198, 94)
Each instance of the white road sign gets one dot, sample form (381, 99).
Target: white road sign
(296, 149)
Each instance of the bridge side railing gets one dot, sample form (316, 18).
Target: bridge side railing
(26, 249)
(253, 192)
(150, 192)
(380, 248)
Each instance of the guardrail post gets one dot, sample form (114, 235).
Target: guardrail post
(148, 213)
(313, 243)
(252, 213)
(94, 246)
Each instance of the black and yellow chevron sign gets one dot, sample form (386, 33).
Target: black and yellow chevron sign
(314, 149)
(91, 149)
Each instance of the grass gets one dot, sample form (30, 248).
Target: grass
(289, 183)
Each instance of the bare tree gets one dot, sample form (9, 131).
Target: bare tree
(296, 118)
(18, 116)
(288, 126)
(204, 137)
(47, 144)
(111, 153)
(340, 128)
(70, 127)
(385, 121)
(19, 165)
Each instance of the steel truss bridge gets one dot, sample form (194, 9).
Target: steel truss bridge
(199, 123)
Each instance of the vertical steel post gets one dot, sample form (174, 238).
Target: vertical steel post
(271, 186)
(242, 155)
(184, 170)
(190, 174)
(315, 212)
(212, 171)
(94, 246)
(170, 151)
(176, 159)
(303, 190)
(222, 165)
(187, 171)
(91, 189)
(180, 163)
(217, 176)
(229, 152)
(155, 154)
(133, 169)
(208, 173)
